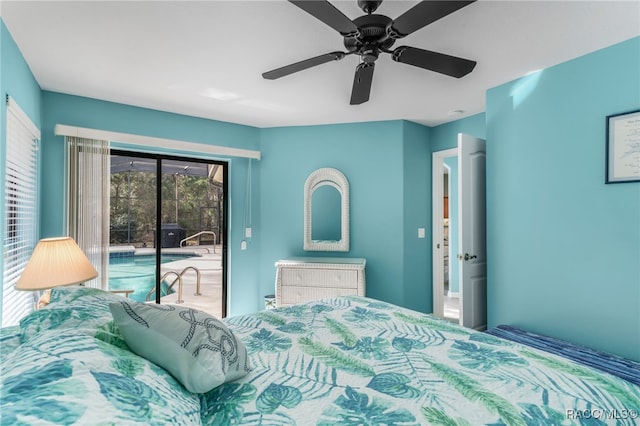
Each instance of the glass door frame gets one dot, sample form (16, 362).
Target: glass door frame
(158, 158)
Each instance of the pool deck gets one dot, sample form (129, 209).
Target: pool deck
(208, 262)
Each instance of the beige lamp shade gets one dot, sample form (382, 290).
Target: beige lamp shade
(56, 262)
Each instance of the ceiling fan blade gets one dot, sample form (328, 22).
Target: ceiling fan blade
(433, 61)
(302, 65)
(327, 13)
(423, 14)
(362, 83)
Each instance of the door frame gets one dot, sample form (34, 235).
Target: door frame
(158, 157)
(437, 215)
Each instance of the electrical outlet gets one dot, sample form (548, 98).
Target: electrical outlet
(243, 245)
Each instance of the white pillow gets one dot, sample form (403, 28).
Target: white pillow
(196, 348)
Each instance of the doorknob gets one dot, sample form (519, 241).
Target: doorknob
(466, 256)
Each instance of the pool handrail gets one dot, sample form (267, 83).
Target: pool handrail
(197, 293)
(197, 235)
(179, 279)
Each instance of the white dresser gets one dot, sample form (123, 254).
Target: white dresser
(302, 279)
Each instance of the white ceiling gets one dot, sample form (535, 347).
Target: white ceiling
(205, 58)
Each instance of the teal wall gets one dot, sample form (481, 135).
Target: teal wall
(564, 247)
(91, 113)
(445, 136)
(376, 159)
(17, 81)
(417, 270)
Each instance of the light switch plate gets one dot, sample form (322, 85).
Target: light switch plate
(421, 233)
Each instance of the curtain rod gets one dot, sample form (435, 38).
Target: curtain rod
(82, 132)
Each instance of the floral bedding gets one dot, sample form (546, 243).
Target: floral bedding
(343, 361)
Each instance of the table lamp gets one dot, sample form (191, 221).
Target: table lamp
(56, 262)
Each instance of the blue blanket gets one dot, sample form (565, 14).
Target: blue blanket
(612, 364)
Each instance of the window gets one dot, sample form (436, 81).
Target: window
(21, 210)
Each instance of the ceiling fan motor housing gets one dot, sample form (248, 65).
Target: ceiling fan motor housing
(372, 37)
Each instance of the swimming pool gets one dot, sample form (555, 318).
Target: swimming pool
(138, 273)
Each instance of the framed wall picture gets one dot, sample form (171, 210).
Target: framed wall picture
(623, 147)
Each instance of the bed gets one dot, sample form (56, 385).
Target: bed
(348, 361)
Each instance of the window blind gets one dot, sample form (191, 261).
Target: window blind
(21, 210)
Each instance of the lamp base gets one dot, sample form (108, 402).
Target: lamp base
(44, 299)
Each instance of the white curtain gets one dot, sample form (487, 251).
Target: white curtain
(88, 217)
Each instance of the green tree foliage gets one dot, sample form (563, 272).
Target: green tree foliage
(193, 202)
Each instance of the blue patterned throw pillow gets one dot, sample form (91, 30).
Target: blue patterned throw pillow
(196, 348)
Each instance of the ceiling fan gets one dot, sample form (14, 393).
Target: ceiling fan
(371, 34)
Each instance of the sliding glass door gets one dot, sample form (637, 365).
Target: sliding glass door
(168, 230)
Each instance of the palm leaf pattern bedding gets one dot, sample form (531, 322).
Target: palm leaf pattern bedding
(359, 361)
(343, 361)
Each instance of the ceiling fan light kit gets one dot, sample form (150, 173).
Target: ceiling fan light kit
(370, 35)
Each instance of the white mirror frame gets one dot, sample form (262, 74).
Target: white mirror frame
(335, 178)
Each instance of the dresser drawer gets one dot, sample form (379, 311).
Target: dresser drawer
(300, 294)
(300, 280)
(331, 278)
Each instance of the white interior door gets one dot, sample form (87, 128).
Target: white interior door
(472, 245)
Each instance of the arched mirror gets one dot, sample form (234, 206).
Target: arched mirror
(326, 211)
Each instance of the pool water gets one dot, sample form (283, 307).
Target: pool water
(138, 273)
